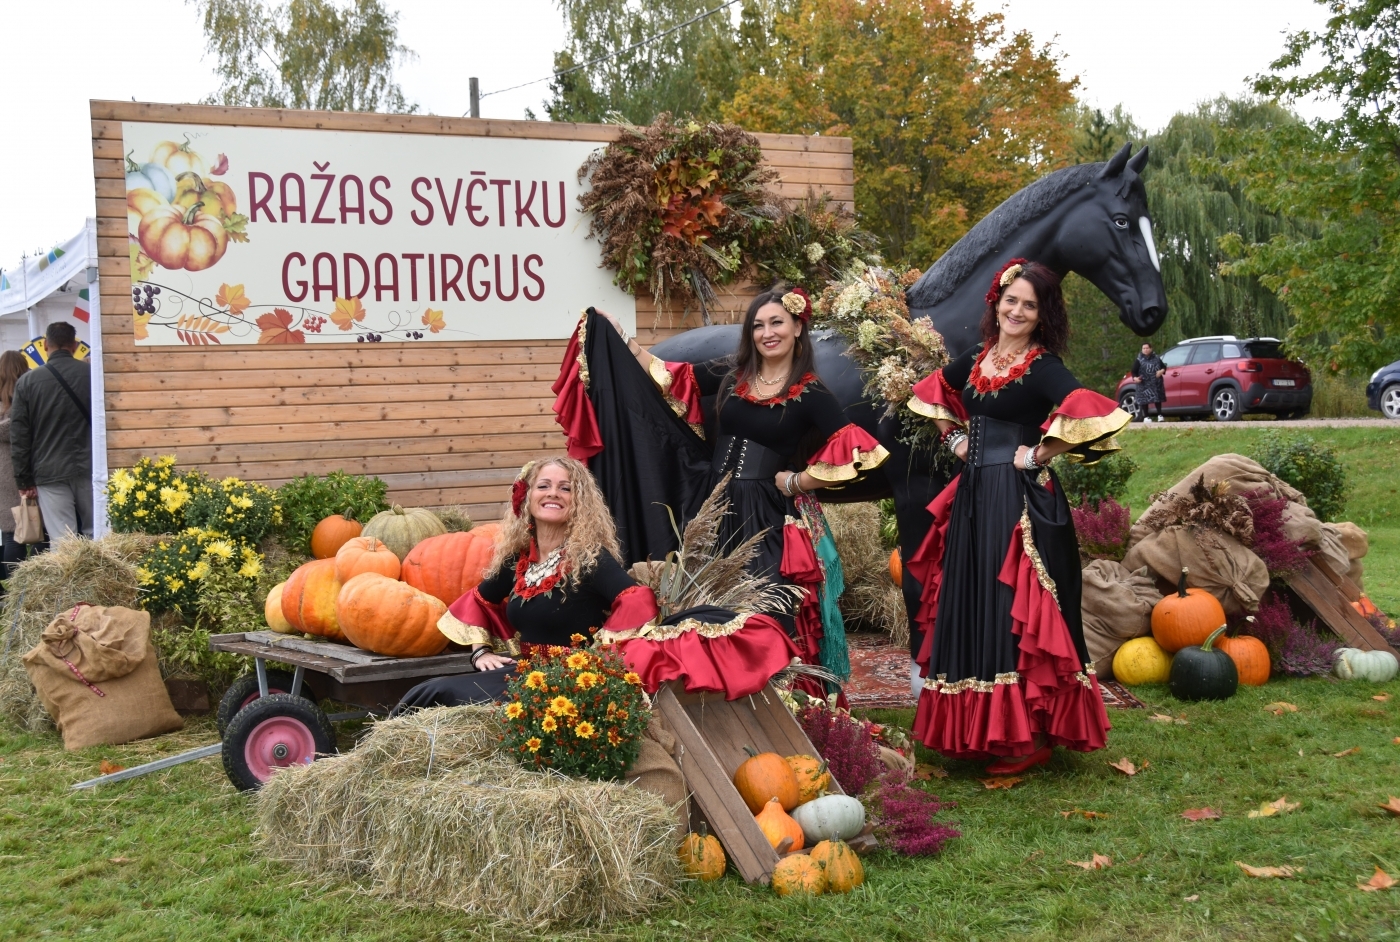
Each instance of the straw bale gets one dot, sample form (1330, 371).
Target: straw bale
(102, 572)
(426, 810)
(871, 599)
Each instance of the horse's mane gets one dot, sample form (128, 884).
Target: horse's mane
(957, 264)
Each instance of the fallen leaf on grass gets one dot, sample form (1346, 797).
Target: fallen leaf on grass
(1125, 765)
(1267, 872)
(1192, 898)
(1393, 806)
(1004, 781)
(1100, 862)
(1088, 815)
(107, 768)
(1278, 708)
(119, 860)
(1396, 741)
(1166, 718)
(923, 772)
(1346, 752)
(1270, 808)
(1035, 854)
(1382, 697)
(1380, 880)
(1201, 814)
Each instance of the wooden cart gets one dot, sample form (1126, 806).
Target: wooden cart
(270, 719)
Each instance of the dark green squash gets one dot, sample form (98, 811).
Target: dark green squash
(1204, 673)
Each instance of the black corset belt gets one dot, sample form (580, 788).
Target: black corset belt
(991, 441)
(746, 460)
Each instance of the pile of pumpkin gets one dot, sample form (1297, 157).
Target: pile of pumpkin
(382, 587)
(772, 786)
(1189, 650)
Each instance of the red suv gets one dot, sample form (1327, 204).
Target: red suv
(1227, 377)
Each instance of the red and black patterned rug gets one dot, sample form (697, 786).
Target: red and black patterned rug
(880, 677)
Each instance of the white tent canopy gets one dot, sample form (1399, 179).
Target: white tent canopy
(36, 278)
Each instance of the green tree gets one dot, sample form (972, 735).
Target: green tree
(1338, 277)
(948, 113)
(305, 54)
(1098, 136)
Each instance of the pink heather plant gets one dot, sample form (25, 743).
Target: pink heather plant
(904, 818)
(1102, 531)
(847, 745)
(1295, 651)
(1281, 556)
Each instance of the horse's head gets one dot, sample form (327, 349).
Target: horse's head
(1108, 233)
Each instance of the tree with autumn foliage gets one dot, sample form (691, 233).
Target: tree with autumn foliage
(949, 114)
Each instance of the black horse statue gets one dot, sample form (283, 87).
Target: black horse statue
(1090, 219)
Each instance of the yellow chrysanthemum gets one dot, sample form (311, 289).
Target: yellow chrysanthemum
(144, 576)
(199, 570)
(174, 585)
(535, 680)
(577, 661)
(533, 744)
(632, 678)
(577, 638)
(251, 569)
(220, 548)
(165, 461)
(562, 706)
(584, 730)
(586, 680)
(514, 711)
(242, 502)
(548, 724)
(613, 738)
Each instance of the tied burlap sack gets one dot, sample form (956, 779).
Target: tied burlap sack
(655, 770)
(1354, 538)
(96, 673)
(1117, 606)
(1218, 563)
(1333, 548)
(1242, 475)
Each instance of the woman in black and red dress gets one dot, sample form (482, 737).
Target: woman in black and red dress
(555, 581)
(1007, 672)
(778, 432)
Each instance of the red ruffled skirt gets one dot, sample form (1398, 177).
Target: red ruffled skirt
(735, 658)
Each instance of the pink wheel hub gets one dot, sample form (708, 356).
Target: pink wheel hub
(276, 743)
(255, 696)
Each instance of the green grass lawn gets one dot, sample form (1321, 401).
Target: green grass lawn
(1371, 456)
(170, 856)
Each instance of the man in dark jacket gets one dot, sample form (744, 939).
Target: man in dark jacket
(51, 435)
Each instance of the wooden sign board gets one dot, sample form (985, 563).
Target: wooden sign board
(711, 734)
(1330, 594)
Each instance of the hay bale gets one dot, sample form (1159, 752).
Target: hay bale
(102, 572)
(426, 810)
(871, 601)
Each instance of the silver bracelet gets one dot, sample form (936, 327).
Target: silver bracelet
(1030, 463)
(954, 440)
(787, 484)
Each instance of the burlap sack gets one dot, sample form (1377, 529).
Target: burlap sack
(1354, 538)
(1301, 525)
(656, 770)
(1333, 548)
(95, 671)
(1242, 474)
(895, 761)
(1117, 606)
(1229, 570)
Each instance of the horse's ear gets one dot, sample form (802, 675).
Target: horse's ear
(1139, 160)
(1114, 167)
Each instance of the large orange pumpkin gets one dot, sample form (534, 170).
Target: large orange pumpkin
(1250, 656)
(331, 534)
(1186, 617)
(777, 825)
(896, 567)
(308, 600)
(451, 565)
(763, 776)
(365, 554)
(386, 616)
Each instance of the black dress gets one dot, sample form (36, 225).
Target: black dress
(1004, 648)
(1151, 388)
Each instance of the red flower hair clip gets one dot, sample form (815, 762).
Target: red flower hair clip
(519, 488)
(1009, 273)
(798, 304)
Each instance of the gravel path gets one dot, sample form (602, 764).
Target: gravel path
(1272, 424)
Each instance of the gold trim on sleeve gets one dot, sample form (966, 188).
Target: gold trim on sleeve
(664, 378)
(932, 410)
(861, 461)
(462, 633)
(582, 345)
(1089, 430)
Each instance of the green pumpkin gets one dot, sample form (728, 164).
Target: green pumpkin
(1204, 673)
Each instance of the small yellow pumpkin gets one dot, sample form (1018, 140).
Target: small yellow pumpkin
(701, 855)
(272, 610)
(798, 874)
(776, 824)
(1142, 661)
(843, 869)
(812, 776)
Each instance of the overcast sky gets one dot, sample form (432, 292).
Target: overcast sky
(1156, 59)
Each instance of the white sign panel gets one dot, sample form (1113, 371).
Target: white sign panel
(242, 235)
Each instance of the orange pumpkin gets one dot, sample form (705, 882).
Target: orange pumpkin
(331, 534)
(1185, 618)
(308, 599)
(175, 237)
(764, 776)
(1250, 656)
(365, 554)
(386, 616)
(798, 874)
(1364, 607)
(812, 776)
(701, 855)
(896, 567)
(451, 565)
(776, 825)
(842, 868)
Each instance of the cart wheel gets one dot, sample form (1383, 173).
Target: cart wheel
(245, 690)
(271, 733)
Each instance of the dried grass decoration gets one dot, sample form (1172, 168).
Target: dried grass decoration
(679, 208)
(867, 307)
(427, 809)
(575, 711)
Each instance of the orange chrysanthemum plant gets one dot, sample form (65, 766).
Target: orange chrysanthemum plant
(579, 712)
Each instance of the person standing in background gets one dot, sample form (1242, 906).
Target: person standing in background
(1148, 370)
(13, 365)
(51, 435)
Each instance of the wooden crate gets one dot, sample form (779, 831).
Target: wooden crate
(1330, 594)
(711, 734)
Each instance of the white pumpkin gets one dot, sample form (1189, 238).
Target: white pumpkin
(1356, 664)
(830, 818)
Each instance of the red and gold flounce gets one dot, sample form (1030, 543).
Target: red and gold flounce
(572, 407)
(1087, 421)
(735, 658)
(934, 398)
(849, 451)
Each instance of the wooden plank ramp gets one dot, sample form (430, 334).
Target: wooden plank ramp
(1330, 594)
(712, 733)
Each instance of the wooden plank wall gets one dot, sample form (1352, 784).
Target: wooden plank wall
(442, 423)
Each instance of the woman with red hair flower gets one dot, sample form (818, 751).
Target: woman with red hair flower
(1007, 674)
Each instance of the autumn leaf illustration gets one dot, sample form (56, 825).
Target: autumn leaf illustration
(220, 166)
(433, 320)
(140, 324)
(1268, 872)
(233, 298)
(347, 312)
(1099, 862)
(141, 263)
(1201, 814)
(199, 331)
(276, 327)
